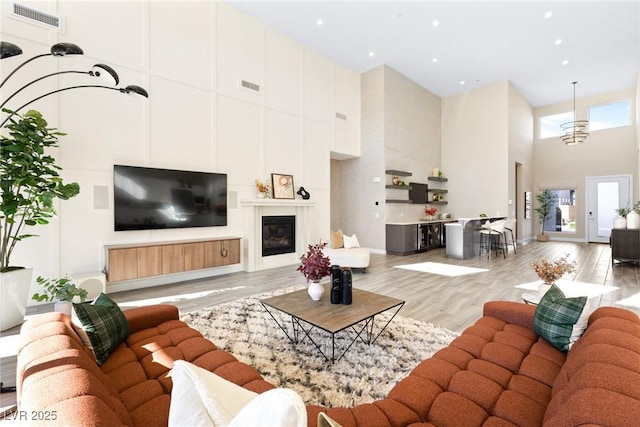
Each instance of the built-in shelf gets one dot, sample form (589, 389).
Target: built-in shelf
(441, 202)
(398, 173)
(398, 201)
(437, 178)
(437, 190)
(398, 187)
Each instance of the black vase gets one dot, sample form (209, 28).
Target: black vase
(346, 287)
(336, 284)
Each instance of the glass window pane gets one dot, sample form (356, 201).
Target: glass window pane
(563, 212)
(608, 202)
(610, 116)
(550, 125)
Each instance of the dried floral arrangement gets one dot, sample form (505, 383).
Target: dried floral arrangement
(263, 187)
(314, 265)
(550, 272)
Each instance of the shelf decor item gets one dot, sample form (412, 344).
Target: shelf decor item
(264, 189)
(314, 265)
(282, 186)
(550, 271)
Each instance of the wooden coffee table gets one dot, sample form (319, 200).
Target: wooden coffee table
(307, 314)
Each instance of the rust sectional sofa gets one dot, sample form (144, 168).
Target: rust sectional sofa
(497, 373)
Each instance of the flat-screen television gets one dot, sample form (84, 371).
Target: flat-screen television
(150, 198)
(418, 193)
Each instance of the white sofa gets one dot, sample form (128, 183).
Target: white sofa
(353, 257)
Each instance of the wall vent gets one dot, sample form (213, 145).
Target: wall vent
(249, 85)
(341, 116)
(37, 17)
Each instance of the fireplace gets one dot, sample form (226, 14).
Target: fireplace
(278, 235)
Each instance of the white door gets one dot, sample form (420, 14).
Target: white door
(605, 194)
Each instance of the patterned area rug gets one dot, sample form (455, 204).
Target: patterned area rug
(366, 373)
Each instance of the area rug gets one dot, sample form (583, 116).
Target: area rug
(441, 269)
(366, 372)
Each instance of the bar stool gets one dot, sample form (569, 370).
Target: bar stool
(510, 226)
(492, 238)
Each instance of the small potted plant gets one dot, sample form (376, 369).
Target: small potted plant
(620, 221)
(546, 201)
(314, 265)
(63, 290)
(550, 272)
(429, 212)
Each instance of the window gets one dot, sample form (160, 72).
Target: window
(609, 116)
(563, 212)
(550, 125)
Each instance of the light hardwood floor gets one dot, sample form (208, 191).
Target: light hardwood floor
(450, 302)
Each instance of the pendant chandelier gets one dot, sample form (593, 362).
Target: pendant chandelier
(575, 132)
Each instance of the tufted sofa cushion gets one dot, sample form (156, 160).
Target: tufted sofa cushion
(56, 372)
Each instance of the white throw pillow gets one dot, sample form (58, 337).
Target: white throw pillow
(277, 407)
(202, 398)
(351, 242)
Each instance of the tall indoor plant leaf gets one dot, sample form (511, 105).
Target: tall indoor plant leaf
(29, 180)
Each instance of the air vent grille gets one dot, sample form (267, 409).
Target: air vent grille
(249, 85)
(341, 116)
(35, 16)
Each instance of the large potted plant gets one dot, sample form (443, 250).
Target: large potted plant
(545, 204)
(29, 184)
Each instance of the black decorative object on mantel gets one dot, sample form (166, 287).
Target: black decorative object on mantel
(303, 193)
(346, 287)
(336, 284)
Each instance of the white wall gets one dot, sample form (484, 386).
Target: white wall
(605, 152)
(475, 150)
(190, 56)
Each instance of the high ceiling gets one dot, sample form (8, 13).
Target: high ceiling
(475, 42)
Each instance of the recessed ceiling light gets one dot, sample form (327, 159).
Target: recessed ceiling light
(558, 41)
(548, 15)
(320, 22)
(372, 53)
(565, 62)
(435, 23)
(434, 60)
(462, 82)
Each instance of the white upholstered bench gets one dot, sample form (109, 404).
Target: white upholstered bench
(353, 257)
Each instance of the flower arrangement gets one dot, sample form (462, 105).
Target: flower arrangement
(263, 187)
(430, 211)
(314, 265)
(550, 272)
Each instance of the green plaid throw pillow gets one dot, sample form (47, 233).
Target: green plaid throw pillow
(556, 316)
(101, 325)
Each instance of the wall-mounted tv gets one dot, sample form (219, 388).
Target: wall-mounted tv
(149, 198)
(418, 193)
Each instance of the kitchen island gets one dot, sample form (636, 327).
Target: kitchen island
(463, 236)
(410, 237)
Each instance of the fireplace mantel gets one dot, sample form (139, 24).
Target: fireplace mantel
(276, 202)
(254, 210)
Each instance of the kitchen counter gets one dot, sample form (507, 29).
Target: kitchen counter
(421, 222)
(463, 236)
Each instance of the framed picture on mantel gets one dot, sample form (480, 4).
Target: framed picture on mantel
(282, 186)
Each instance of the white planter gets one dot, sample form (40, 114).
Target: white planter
(14, 293)
(315, 291)
(63, 307)
(633, 220)
(619, 223)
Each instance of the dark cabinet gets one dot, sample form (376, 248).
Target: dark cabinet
(625, 245)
